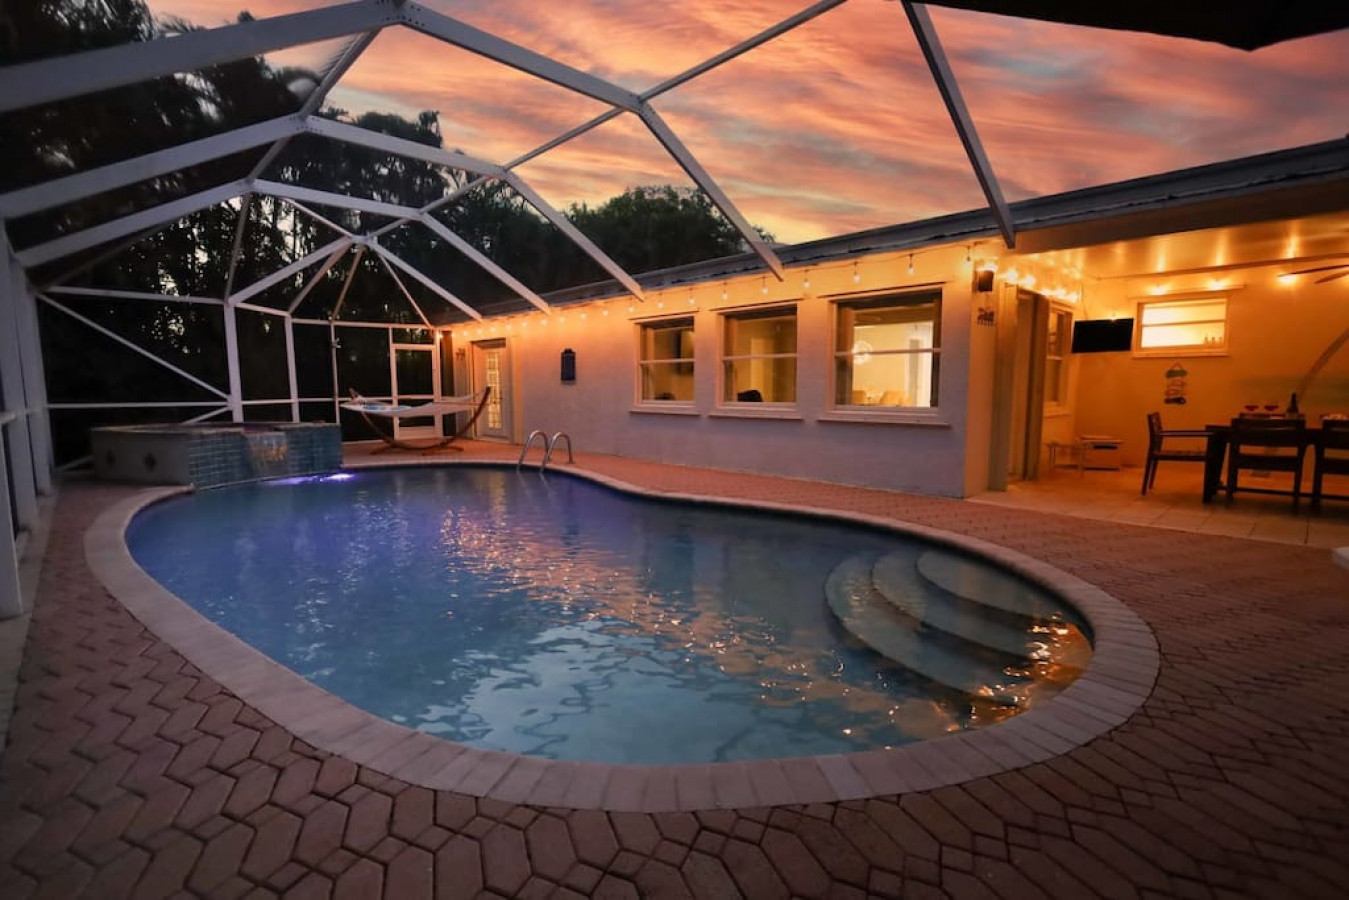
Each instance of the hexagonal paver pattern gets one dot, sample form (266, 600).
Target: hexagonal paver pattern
(130, 773)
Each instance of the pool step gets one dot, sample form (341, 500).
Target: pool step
(939, 656)
(897, 580)
(977, 582)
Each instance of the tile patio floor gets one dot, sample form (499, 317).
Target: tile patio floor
(129, 773)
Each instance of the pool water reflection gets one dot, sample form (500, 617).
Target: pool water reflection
(551, 616)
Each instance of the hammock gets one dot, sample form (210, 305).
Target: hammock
(474, 403)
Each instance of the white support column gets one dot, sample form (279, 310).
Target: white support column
(236, 393)
(290, 370)
(11, 593)
(34, 385)
(13, 401)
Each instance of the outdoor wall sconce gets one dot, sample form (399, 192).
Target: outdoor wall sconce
(983, 280)
(568, 366)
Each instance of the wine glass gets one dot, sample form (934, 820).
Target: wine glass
(1270, 407)
(1252, 407)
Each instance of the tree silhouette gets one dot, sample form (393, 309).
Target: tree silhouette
(642, 229)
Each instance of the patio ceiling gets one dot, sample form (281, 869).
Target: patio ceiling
(349, 36)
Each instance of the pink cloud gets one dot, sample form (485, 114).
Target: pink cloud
(837, 125)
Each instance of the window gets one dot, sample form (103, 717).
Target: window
(759, 356)
(1165, 326)
(665, 360)
(887, 350)
(1056, 356)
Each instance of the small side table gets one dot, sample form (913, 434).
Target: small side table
(1098, 451)
(1070, 451)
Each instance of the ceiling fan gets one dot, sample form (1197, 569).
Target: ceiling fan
(1338, 270)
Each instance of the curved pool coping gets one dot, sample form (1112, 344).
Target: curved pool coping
(1119, 678)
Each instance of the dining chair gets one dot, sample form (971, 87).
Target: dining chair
(1266, 445)
(1332, 456)
(1158, 451)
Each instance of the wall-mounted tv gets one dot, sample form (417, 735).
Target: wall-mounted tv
(1102, 335)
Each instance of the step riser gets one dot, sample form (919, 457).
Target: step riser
(946, 660)
(897, 580)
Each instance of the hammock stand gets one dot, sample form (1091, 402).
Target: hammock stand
(474, 403)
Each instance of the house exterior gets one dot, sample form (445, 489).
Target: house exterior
(971, 379)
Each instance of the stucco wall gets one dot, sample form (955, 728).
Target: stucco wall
(922, 452)
(1276, 331)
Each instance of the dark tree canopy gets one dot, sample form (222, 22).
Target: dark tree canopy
(642, 229)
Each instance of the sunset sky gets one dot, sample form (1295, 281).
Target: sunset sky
(837, 126)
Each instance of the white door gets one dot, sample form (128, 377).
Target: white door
(416, 372)
(491, 369)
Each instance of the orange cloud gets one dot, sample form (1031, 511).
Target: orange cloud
(837, 126)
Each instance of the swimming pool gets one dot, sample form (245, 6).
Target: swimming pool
(558, 618)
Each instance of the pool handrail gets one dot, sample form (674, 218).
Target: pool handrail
(552, 442)
(528, 443)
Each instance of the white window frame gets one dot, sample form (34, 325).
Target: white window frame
(643, 363)
(1207, 297)
(1060, 403)
(900, 298)
(751, 312)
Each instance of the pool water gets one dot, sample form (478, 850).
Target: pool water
(551, 616)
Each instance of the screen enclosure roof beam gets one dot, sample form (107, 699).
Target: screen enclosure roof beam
(375, 140)
(336, 247)
(458, 34)
(426, 280)
(571, 231)
(945, 78)
(689, 164)
(112, 230)
(328, 198)
(62, 77)
(484, 262)
(70, 188)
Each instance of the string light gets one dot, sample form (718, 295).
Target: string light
(724, 294)
(763, 285)
(806, 283)
(910, 263)
(856, 275)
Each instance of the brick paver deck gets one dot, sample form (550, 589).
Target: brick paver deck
(131, 773)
